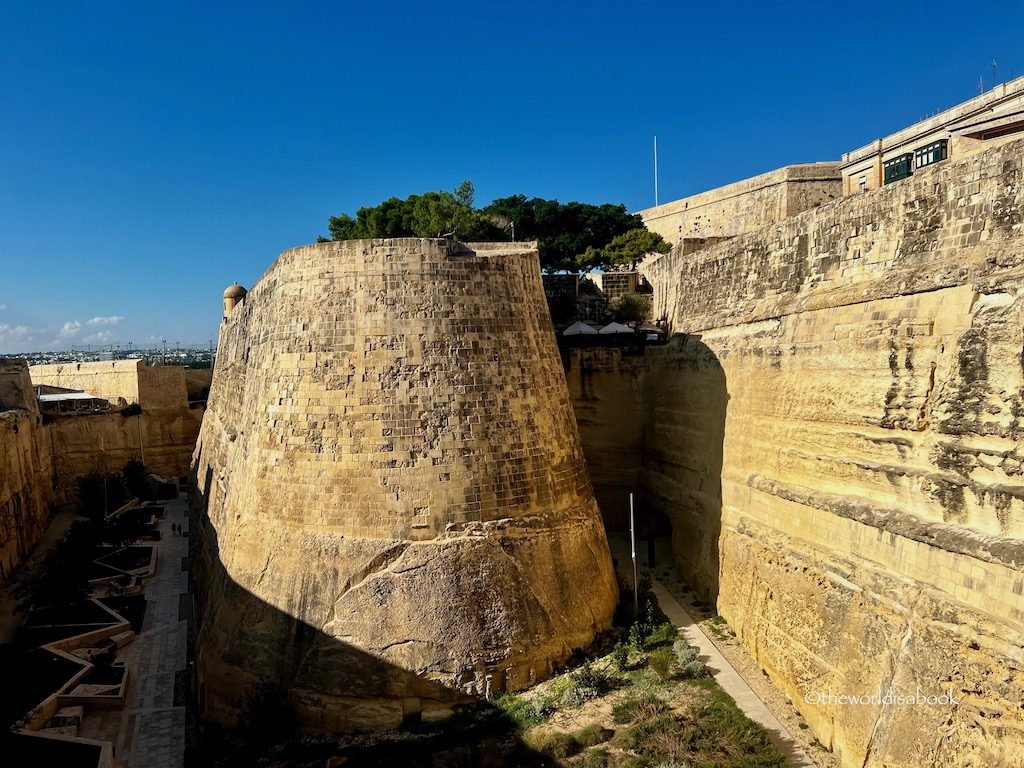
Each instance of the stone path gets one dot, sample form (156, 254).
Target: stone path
(150, 731)
(724, 673)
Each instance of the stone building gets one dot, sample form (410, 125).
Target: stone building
(988, 120)
(122, 382)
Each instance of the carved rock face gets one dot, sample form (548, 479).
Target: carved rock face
(395, 509)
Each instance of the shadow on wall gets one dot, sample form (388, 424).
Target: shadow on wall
(685, 398)
(418, 722)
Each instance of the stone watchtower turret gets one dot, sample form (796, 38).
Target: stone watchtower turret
(234, 294)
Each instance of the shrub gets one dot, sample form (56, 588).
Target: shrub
(556, 744)
(520, 711)
(660, 635)
(661, 661)
(638, 707)
(620, 656)
(592, 735)
(685, 653)
(632, 308)
(693, 670)
(636, 637)
(586, 684)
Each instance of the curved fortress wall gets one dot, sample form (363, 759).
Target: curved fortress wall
(395, 512)
(838, 441)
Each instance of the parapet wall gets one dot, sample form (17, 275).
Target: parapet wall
(835, 432)
(389, 470)
(745, 206)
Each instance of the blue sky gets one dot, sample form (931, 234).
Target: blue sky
(150, 154)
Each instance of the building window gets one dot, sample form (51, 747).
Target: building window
(898, 168)
(931, 153)
(863, 183)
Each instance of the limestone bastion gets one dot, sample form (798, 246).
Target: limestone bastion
(393, 510)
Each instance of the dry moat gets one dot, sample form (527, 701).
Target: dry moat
(391, 527)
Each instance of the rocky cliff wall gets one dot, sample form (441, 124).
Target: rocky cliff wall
(26, 492)
(835, 431)
(163, 440)
(392, 503)
(606, 390)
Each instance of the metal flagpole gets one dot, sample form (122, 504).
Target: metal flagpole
(655, 170)
(632, 552)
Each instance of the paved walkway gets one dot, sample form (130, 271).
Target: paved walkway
(723, 672)
(150, 731)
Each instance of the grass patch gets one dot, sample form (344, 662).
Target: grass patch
(715, 735)
(636, 708)
(660, 635)
(555, 744)
(592, 735)
(521, 711)
(594, 758)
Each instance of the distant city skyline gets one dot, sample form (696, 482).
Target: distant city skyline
(150, 156)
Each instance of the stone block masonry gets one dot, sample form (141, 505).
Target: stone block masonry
(744, 206)
(835, 432)
(26, 493)
(392, 501)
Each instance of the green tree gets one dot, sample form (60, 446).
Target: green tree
(632, 309)
(562, 230)
(431, 214)
(625, 250)
(570, 236)
(629, 248)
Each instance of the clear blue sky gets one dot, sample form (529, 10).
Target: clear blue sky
(152, 153)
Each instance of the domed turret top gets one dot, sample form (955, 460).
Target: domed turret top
(235, 291)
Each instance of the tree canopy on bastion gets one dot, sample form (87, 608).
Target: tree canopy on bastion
(571, 236)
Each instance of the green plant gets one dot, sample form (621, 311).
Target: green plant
(594, 758)
(685, 653)
(620, 656)
(592, 735)
(636, 637)
(556, 744)
(522, 712)
(63, 575)
(632, 308)
(586, 684)
(661, 634)
(661, 661)
(637, 707)
(693, 670)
